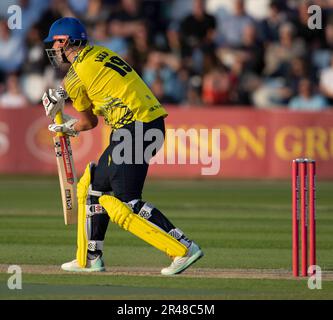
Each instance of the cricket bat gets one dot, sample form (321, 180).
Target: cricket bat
(67, 174)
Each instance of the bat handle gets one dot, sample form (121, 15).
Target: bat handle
(59, 120)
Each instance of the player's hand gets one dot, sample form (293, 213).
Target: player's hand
(53, 101)
(67, 127)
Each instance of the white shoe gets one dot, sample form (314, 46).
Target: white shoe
(180, 264)
(96, 264)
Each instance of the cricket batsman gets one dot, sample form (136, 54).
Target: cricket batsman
(101, 84)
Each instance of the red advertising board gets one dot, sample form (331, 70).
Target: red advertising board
(207, 143)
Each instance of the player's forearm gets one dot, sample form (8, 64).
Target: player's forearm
(83, 125)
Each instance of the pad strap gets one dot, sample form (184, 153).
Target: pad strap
(146, 210)
(176, 233)
(180, 236)
(94, 245)
(92, 209)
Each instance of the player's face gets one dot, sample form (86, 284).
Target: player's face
(58, 50)
(57, 44)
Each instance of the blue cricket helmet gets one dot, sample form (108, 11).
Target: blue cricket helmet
(68, 26)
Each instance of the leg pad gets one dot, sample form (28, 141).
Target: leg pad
(82, 241)
(122, 215)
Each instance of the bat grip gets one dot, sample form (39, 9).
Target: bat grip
(59, 120)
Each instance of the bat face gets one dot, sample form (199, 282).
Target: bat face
(67, 178)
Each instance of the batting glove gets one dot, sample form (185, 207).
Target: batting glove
(67, 127)
(53, 101)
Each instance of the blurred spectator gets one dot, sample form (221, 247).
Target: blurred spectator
(125, 22)
(79, 7)
(321, 56)
(163, 67)
(12, 48)
(101, 37)
(299, 69)
(95, 13)
(314, 38)
(255, 8)
(247, 83)
(270, 93)
(329, 36)
(218, 87)
(193, 96)
(191, 87)
(173, 40)
(250, 52)
(307, 99)
(32, 11)
(139, 48)
(36, 59)
(326, 81)
(232, 27)
(279, 54)
(179, 9)
(156, 16)
(158, 89)
(12, 98)
(197, 29)
(271, 25)
(278, 91)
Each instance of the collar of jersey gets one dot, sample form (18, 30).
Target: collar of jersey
(75, 58)
(78, 54)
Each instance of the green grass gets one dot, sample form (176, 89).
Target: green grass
(132, 287)
(239, 224)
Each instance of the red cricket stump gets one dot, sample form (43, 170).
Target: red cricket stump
(312, 212)
(304, 210)
(304, 217)
(295, 217)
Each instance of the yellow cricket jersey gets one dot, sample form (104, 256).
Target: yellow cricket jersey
(100, 79)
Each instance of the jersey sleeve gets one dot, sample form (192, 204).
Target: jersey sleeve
(77, 91)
